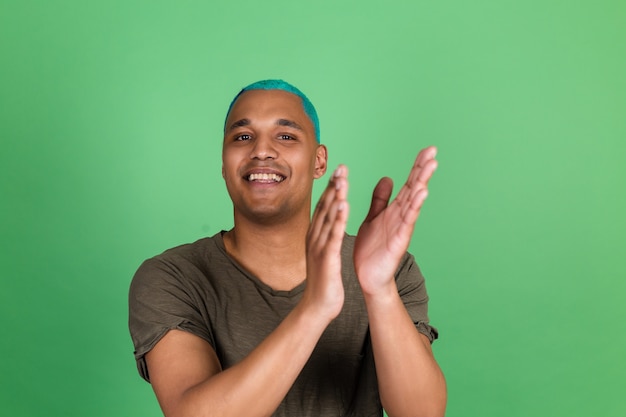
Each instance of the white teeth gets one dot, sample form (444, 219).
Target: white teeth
(264, 177)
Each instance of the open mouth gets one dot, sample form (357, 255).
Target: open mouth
(265, 178)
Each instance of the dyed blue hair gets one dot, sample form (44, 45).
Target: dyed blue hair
(285, 86)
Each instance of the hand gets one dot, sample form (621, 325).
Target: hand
(386, 232)
(324, 288)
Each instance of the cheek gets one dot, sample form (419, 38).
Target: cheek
(314, 164)
(228, 166)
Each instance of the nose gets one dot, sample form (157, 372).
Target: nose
(263, 148)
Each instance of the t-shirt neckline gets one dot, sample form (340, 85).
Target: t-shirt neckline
(297, 290)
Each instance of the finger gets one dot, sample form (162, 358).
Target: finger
(422, 160)
(321, 211)
(423, 168)
(336, 216)
(424, 156)
(410, 212)
(338, 230)
(334, 226)
(427, 171)
(330, 225)
(333, 191)
(424, 176)
(380, 198)
(328, 193)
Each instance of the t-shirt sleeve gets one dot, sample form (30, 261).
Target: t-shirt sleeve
(162, 299)
(412, 290)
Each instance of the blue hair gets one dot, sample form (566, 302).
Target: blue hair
(285, 86)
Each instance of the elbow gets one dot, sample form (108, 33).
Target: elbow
(422, 410)
(431, 404)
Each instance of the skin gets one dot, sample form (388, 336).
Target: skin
(267, 132)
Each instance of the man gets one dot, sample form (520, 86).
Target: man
(285, 314)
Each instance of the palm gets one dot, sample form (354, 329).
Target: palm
(384, 236)
(383, 233)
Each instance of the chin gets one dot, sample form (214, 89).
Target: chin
(265, 214)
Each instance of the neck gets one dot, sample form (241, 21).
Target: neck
(275, 253)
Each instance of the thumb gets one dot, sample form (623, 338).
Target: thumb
(380, 198)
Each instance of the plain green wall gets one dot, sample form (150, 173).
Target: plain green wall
(110, 121)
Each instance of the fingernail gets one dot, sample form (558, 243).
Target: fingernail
(337, 172)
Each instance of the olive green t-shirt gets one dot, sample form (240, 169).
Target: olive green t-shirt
(200, 289)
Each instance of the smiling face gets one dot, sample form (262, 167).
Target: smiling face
(270, 156)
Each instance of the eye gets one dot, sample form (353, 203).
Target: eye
(286, 137)
(244, 136)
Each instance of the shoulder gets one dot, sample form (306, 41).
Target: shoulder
(180, 263)
(197, 252)
(192, 252)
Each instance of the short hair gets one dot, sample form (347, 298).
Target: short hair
(308, 107)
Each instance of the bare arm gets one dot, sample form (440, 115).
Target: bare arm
(410, 381)
(185, 372)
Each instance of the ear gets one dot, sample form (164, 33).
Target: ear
(321, 161)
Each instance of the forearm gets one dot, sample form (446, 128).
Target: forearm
(257, 385)
(410, 381)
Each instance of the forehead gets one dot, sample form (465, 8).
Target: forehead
(257, 104)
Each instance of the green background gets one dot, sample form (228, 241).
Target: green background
(110, 121)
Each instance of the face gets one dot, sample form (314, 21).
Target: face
(270, 156)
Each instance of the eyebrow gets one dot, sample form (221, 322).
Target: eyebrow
(288, 123)
(239, 123)
(279, 122)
